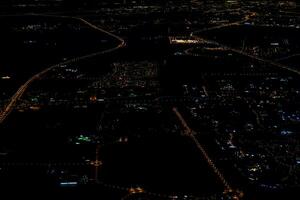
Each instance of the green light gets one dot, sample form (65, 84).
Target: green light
(84, 138)
(34, 99)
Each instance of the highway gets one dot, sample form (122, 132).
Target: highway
(287, 57)
(238, 51)
(191, 133)
(241, 52)
(235, 194)
(266, 61)
(22, 89)
(236, 23)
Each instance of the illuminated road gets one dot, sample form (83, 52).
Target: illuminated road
(191, 134)
(96, 163)
(20, 92)
(241, 52)
(245, 19)
(287, 57)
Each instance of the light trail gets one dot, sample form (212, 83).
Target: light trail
(235, 194)
(236, 23)
(22, 89)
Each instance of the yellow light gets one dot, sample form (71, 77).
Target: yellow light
(136, 190)
(187, 41)
(93, 98)
(35, 108)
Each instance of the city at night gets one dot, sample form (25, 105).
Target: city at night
(150, 99)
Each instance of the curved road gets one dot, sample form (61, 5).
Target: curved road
(20, 92)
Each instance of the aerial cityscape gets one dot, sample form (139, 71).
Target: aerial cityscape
(150, 99)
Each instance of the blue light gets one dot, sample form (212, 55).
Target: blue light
(68, 183)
